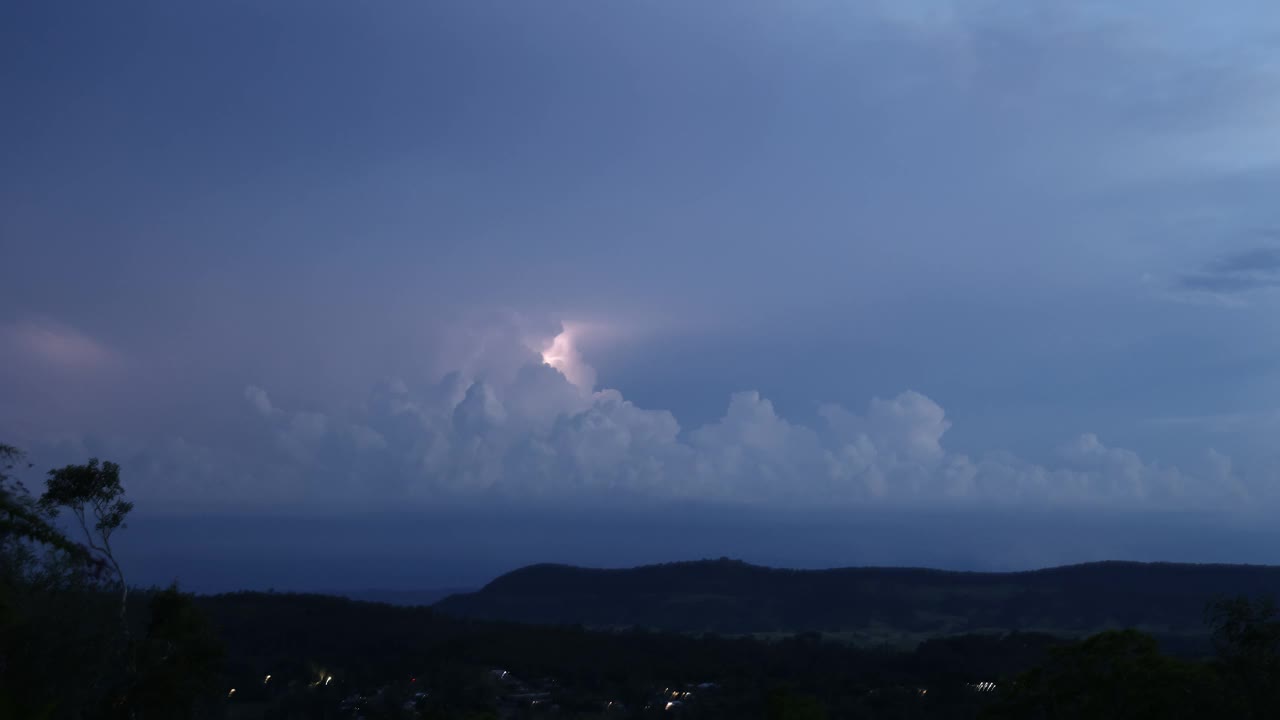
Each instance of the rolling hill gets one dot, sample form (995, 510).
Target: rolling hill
(728, 596)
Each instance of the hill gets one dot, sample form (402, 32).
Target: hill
(729, 596)
(404, 598)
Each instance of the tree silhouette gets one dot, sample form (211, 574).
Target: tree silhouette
(21, 518)
(1246, 635)
(1114, 674)
(92, 492)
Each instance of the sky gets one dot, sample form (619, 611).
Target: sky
(408, 294)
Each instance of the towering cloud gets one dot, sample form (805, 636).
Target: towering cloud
(537, 434)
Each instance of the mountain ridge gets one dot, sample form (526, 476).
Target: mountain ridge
(732, 596)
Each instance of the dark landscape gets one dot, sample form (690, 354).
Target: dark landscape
(705, 639)
(871, 604)
(723, 639)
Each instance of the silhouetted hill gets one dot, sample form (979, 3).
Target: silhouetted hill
(729, 596)
(404, 598)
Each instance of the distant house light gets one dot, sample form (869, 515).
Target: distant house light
(233, 692)
(984, 686)
(266, 679)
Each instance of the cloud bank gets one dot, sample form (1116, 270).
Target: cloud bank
(532, 435)
(1250, 270)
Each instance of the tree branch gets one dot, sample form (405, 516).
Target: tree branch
(88, 536)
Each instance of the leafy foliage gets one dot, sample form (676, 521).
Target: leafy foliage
(92, 492)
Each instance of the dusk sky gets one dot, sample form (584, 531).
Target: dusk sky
(406, 294)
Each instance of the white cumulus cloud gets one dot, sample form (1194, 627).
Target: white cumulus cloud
(534, 433)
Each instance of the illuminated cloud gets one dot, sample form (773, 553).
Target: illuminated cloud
(531, 434)
(561, 354)
(539, 436)
(55, 345)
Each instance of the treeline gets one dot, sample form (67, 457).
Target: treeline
(395, 651)
(302, 639)
(1122, 674)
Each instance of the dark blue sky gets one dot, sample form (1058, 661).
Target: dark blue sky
(939, 259)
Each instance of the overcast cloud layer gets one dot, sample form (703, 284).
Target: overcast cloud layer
(309, 256)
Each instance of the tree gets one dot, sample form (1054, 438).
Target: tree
(1114, 674)
(787, 705)
(21, 519)
(1246, 635)
(59, 650)
(92, 492)
(178, 659)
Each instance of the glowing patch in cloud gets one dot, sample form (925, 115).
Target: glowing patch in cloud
(561, 354)
(57, 345)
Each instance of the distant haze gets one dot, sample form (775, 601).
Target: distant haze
(439, 551)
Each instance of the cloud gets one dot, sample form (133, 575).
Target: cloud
(258, 399)
(533, 435)
(1014, 121)
(1264, 423)
(312, 437)
(522, 431)
(517, 429)
(1237, 272)
(55, 346)
(562, 354)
